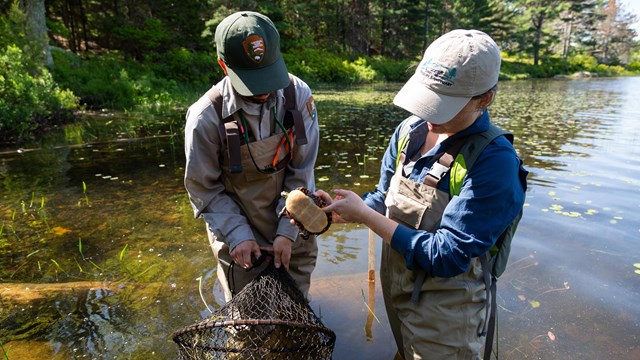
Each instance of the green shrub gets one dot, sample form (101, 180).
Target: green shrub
(100, 81)
(360, 70)
(318, 66)
(582, 63)
(14, 30)
(609, 70)
(634, 66)
(322, 66)
(513, 68)
(109, 81)
(29, 102)
(392, 70)
(185, 66)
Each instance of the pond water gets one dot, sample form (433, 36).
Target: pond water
(100, 256)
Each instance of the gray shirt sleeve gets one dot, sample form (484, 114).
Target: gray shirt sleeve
(203, 182)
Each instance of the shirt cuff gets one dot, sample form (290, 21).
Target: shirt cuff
(286, 229)
(239, 235)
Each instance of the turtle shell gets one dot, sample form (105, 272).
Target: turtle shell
(306, 211)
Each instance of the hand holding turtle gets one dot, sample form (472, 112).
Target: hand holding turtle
(348, 207)
(305, 211)
(335, 217)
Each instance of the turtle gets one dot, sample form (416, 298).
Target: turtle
(306, 211)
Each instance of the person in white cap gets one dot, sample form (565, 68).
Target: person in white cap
(451, 192)
(252, 136)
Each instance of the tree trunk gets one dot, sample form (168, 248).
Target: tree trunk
(566, 39)
(35, 11)
(537, 25)
(425, 44)
(83, 21)
(384, 27)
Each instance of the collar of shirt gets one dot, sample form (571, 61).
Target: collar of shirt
(418, 135)
(419, 131)
(232, 101)
(258, 116)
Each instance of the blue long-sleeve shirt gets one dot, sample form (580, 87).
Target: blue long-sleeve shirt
(491, 197)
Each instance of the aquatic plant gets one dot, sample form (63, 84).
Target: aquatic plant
(371, 312)
(84, 192)
(80, 247)
(527, 345)
(202, 295)
(5, 352)
(123, 251)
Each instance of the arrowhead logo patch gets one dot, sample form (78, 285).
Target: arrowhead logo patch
(254, 48)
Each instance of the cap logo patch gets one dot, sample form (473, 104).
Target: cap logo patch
(254, 48)
(438, 72)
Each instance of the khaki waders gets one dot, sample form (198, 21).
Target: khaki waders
(449, 313)
(258, 194)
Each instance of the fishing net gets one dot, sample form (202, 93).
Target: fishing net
(268, 319)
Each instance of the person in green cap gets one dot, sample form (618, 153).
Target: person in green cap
(251, 136)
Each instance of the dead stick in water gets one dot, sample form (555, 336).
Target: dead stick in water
(372, 278)
(372, 258)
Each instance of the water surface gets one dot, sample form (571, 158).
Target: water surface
(100, 256)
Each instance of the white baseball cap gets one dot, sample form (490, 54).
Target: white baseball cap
(457, 66)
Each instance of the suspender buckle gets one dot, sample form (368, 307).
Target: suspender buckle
(438, 171)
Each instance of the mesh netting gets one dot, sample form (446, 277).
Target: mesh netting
(268, 319)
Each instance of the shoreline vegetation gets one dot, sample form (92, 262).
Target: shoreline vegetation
(58, 60)
(109, 82)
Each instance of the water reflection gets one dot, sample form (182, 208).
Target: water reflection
(100, 256)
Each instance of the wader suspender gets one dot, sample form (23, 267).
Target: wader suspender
(438, 170)
(292, 118)
(477, 143)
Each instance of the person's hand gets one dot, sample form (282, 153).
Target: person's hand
(242, 254)
(335, 217)
(282, 251)
(348, 207)
(323, 195)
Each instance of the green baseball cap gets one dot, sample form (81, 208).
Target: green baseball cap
(249, 45)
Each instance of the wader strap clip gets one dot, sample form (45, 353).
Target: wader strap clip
(293, 116)
(233, 146)
(417, 286)
(490, 306)
(445, 159)
(232, 132)
(438, 171)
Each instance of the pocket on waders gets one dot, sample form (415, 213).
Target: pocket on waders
(411, 203)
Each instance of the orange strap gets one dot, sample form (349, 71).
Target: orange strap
(282, 144)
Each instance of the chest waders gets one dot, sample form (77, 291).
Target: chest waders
(253, 173)
(442, 310)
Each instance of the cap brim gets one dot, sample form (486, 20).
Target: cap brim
(420, 100)
(251, 82)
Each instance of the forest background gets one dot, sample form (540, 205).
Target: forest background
(60, 58)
